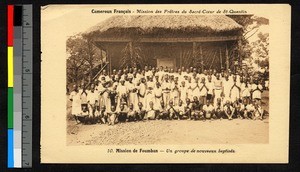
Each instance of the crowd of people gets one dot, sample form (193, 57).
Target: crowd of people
(134, 94)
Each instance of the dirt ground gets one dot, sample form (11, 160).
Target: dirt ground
(223, 131)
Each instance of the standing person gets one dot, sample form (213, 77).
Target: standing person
(142, 92)
(92, 100)
(112, 94)
(83, 98)
(203, 91)
(183, 91)
(256, 88)
(229, 110)
(174, 93)
(218, 88)
(227, 84)
(122, 92)
(166, 88)
(235, 89)
(150, 97)
(132, 92)
(194, 89)
(158, 95)
(208, 109)
(210, 87)
(245, 89)
(76, 103)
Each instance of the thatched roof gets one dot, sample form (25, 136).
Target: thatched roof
(151, 24)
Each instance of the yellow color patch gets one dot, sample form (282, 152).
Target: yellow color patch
(10, 66)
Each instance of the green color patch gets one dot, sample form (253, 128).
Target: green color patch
(10, 108)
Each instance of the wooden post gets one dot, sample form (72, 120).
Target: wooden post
(201, 59)
(221, 65)
(131, 54)
(194, 49)
(239, 52)
(180, 56)
(227, 58)
(109, 56)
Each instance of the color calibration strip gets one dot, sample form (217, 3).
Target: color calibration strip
(19, 76)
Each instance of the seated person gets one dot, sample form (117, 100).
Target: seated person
(131, 114)
(258, 112)
(181, 110)
(112, 116)
(163, 112)
(219, 111)
(102, 115)
(173, 114)
(83, 117)
(188, 108)
(237, 106)
(140, 112)
(122, 112)
(208, 109)
(229, 110)
(151, 113)
(197, 112)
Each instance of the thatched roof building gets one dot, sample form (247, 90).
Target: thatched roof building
(164, 39)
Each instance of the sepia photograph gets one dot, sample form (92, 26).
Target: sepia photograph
(169, 79)
(165, 83)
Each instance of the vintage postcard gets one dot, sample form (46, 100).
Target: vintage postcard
(165, 83)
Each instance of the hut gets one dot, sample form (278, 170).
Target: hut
(202, 41)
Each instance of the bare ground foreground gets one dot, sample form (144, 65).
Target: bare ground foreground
(173, 132)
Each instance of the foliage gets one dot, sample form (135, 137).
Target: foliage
(251, 26)
(82, 58)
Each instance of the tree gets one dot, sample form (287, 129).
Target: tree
(82, 58)
(250, 24)
(261, 50)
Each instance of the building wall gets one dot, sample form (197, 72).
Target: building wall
(213, 53)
